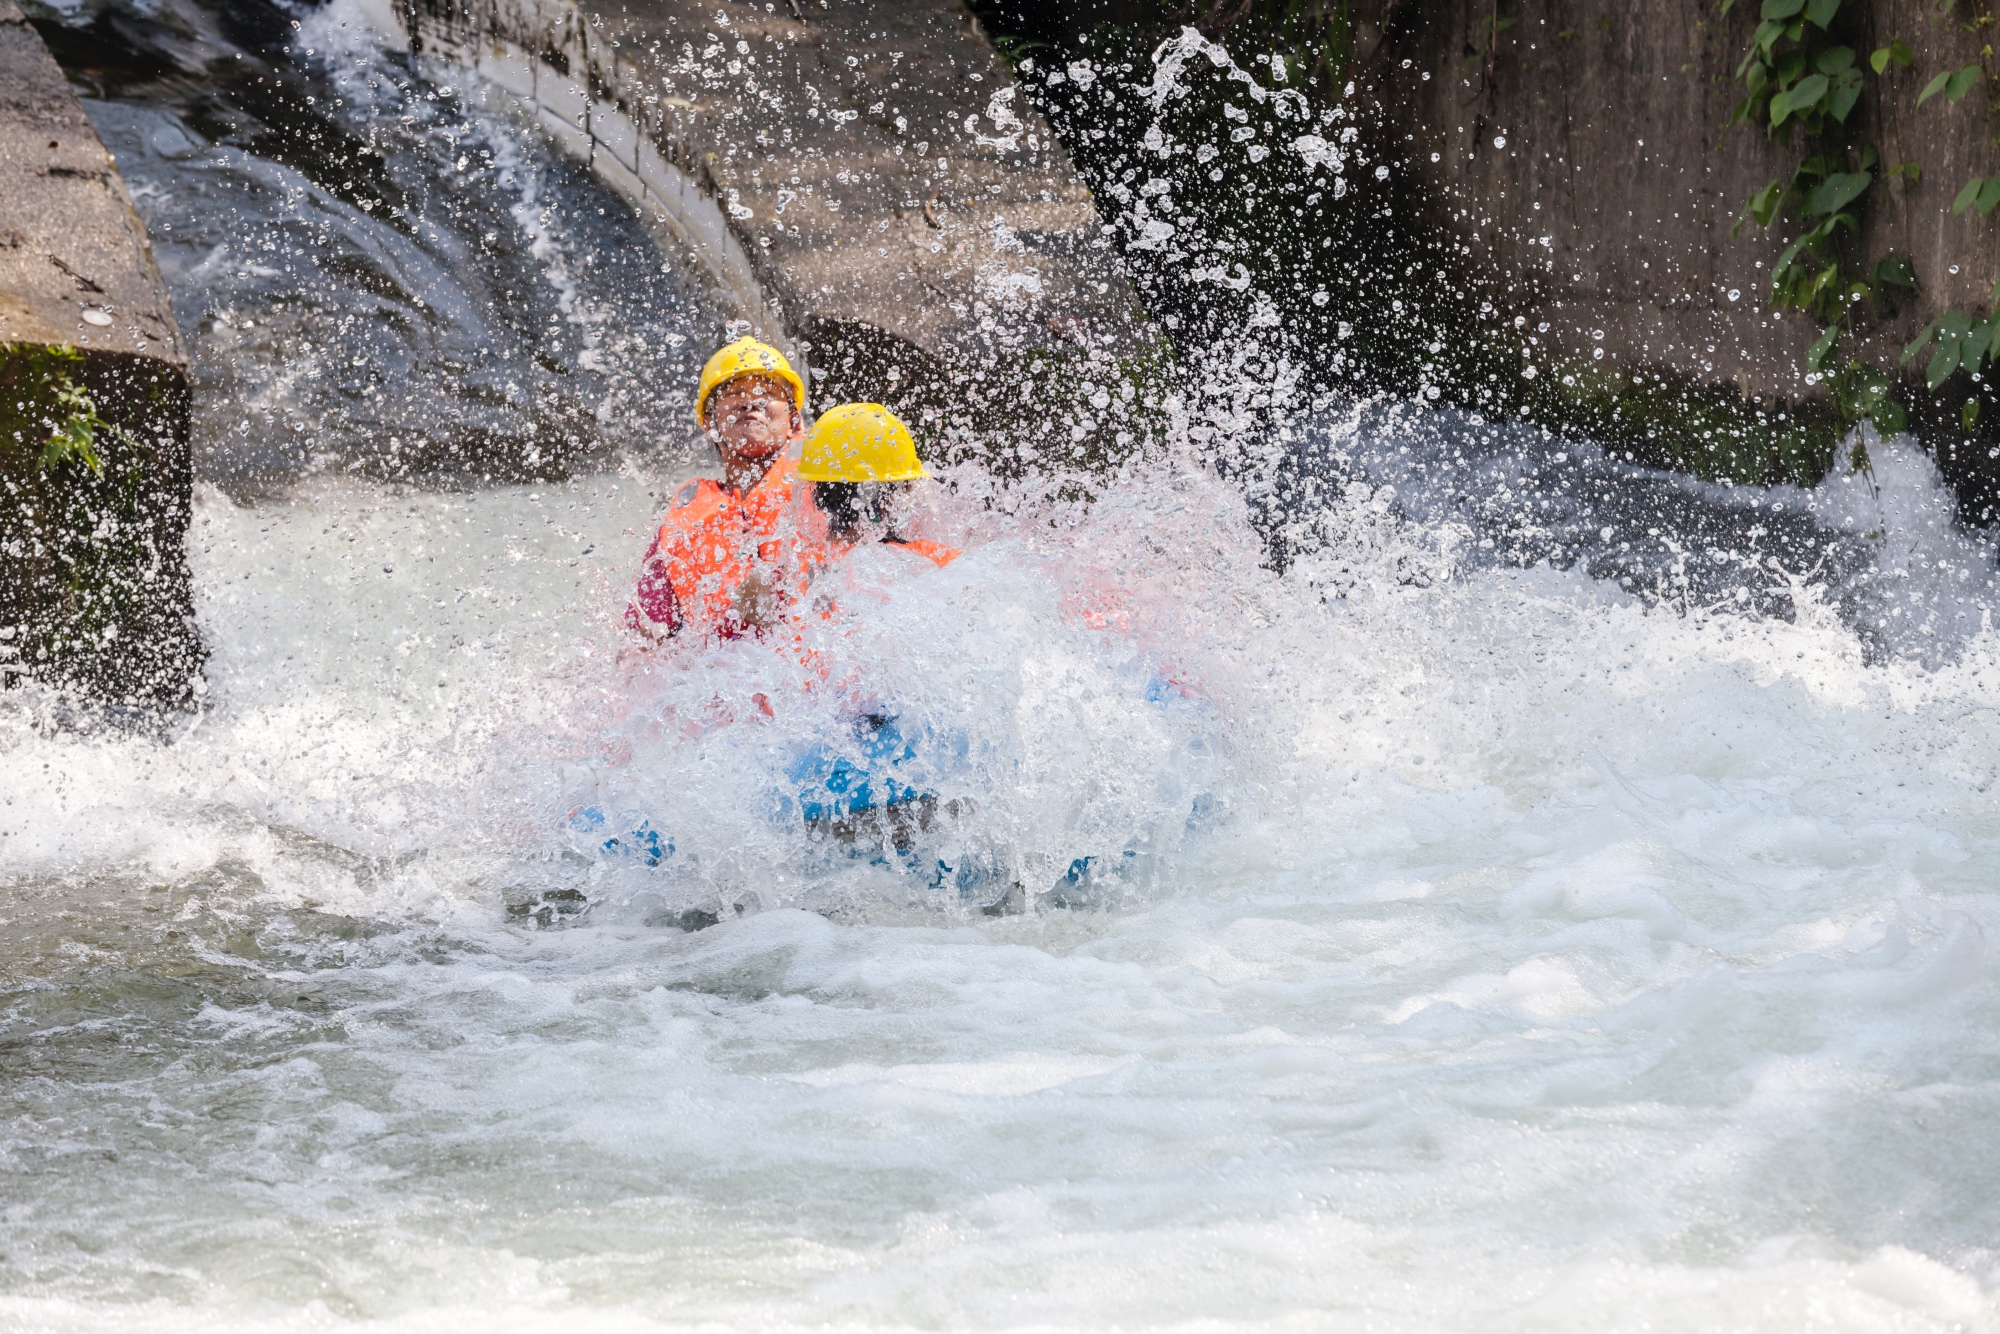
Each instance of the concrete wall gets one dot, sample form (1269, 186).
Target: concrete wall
(860, 179)
(94, 587)
(1581, 159)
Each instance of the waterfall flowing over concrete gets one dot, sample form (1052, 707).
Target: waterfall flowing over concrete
(862, 180)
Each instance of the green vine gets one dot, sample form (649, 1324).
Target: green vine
(1801, 80)
(43, 410)
(1960, 341)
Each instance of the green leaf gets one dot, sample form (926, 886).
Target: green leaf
(1954, 84)
(1836, 192)
(1781, 9)
(1846, 92)
(1944, 363)
(1895, 270)
(1955, 348)
(1914, 171)
(1822, 348)
(1780, 270)
(1918, 343)
(1765, 203)
(75, 439)
(1767, 35)
(1889, 417)
(1973, 347)
(1895, 51)
(1869, 158)
(1834, 60)
(1803, 94)
(1821, 12)
(1981, 192)
(1969, 414)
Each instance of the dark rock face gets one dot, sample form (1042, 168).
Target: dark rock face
(94, 588)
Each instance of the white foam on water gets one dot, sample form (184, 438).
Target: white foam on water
(1534, 959)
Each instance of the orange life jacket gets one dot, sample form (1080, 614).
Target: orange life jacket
(710, 541)
(937, 553)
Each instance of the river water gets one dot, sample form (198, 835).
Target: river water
(1552, 905)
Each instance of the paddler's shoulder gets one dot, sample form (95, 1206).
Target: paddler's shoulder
(693, 501)
(693, 489)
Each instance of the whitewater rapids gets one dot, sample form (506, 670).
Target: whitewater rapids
(1549, 960)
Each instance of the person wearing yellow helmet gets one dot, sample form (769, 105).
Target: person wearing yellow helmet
(863, 468)
(862, 463)
(752, 404)
(720, 558)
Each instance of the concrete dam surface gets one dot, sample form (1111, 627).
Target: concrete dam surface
(76, 266)
(863, 180)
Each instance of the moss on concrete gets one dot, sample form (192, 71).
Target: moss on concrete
(1660, 419)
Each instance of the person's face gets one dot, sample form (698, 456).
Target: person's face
(873, 510)
(752, 419)
(887, 506)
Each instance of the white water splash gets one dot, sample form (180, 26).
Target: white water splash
(1548, 958)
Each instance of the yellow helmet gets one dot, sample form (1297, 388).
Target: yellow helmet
(860, 442)
(746, 356)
